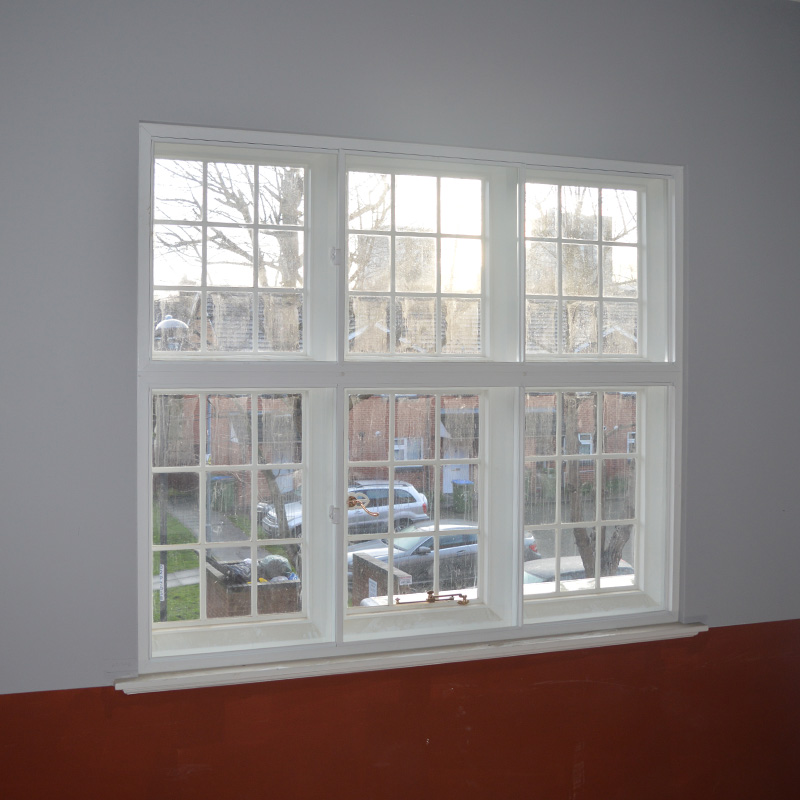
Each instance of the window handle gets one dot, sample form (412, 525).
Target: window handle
(360, 501)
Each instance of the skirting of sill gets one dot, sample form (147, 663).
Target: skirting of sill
(339, 665)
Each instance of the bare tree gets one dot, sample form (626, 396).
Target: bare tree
(233, 191)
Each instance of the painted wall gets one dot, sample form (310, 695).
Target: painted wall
(708, 84)
(711, 717)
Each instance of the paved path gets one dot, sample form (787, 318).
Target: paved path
(183, 577)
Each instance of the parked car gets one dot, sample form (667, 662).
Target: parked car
(414, 553)
(572, 569)
(410, 506)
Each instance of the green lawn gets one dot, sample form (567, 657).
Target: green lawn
(183, 602)
(177, 533)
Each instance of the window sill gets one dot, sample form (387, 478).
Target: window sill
(226, 676)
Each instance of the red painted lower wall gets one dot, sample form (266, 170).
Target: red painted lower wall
(716, 716)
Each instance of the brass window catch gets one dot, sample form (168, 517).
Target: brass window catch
(353, 501)
(435, 598)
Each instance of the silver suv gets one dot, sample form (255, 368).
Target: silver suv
(410, 506)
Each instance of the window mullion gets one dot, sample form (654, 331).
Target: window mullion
(522, 342)
(340, 483)
(204, 265)
(599, 245)
(599, 477)
(254, 482)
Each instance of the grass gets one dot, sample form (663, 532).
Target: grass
(177, 533)
(183, 602)
(243, 523)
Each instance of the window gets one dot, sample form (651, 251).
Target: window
(395, 398)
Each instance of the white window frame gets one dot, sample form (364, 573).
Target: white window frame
(501, 622)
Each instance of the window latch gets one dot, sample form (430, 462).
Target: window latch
(360, 501)
(435, 598)
(336, 256)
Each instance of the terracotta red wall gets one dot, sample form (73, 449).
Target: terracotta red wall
(716, 716)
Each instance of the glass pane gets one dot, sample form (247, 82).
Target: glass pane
(281, 197)
(415, 321)
(370, 486)
(280, 429)
(178, 189)
(579, 269)
(541, 328)
(538, 575)
(462, 262)
(279, 571)
(177, 321)
(619, 422)
(370, 323)
(415, 491)
(541, 268)
(415, 428)
(620, 271)
(370, 263)
(369, 427)
(228, 437)
(230, 321)
(280, 261)
(579, 423)
(545, 544)
(580, 328)
(541, 210)
(176, 585)
(228, 584)
(460, 428)
(620, 215)
(540, 492)
(176, 430)
(458, 561)
(573, 540)
(617, 559)
(280, 322)
(540, 424)
(369, 201)
(620, 328)
(415, 264)
(279, 511)
(619, 488)
(461, 326)
(577, 564)
(460, 493)
(579, 212)
(230, 257)
(230, 192)
(177, 255)
(228, 506)
(176, 508)
(578, 495)
(462, 206)
(415, 203)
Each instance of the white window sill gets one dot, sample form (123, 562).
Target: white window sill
(226, 676)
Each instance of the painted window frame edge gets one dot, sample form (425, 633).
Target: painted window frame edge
(228, 676)
(184, 671)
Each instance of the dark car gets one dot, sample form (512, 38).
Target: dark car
(414, 553)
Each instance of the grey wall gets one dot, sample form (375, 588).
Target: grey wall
(708, 84)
